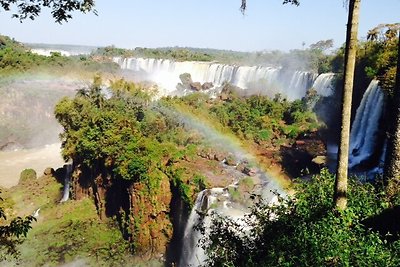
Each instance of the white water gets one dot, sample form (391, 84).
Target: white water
(209, 200)
(323, 84)
(364, 131)
(256, 79)
(68, 171)
(219, 200)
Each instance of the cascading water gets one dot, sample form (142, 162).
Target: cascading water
(363, 137)
(291, 84)
(68, 171)
(192, 253)
(323, 84)
(222, 202)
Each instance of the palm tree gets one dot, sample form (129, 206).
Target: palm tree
(340, 197)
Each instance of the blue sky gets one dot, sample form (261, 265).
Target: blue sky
(267, 24)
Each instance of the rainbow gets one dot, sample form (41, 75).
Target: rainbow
(228, 142)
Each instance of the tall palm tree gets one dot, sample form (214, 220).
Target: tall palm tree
(340, 196)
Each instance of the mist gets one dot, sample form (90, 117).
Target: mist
(27, 110)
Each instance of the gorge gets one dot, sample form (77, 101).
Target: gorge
(98, 183)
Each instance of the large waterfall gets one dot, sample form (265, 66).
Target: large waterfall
(258, 79)
(364, 132)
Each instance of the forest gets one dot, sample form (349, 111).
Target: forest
(232, 165)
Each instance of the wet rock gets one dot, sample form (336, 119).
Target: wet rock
(48, 171)
(241, 166)
(10, 146)
(186, 79)
(319, 160)
(196, 86)
(207, 85)
(231, 160)
(219, 156)
(250, 171)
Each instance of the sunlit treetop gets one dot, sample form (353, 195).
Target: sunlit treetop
(61, 10)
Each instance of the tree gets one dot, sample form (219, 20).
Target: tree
(322, 45)
(11, 232)
(60, 9)
(392, 165)
(340, 196)
(293, 2)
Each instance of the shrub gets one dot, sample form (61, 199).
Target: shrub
(305, 231)
(27, 175)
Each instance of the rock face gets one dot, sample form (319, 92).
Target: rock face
(188, 84)
(306, 155)
(186, 81)
(142, 211)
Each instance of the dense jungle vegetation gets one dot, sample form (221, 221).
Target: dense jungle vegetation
(124, 141)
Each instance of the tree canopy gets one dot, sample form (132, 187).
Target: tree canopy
(293, 2)
(61, 10)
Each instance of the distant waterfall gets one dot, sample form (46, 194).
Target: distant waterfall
(68, 171)
(323, 84)
(291, 84)
(363, 137)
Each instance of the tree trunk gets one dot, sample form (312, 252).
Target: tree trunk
(392, 162)
(340, 196)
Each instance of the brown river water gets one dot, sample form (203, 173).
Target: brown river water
(13, 162)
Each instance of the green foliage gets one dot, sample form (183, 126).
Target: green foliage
(176, 177)
(15, 58)
(305, 230)
(378, 57)
(12, 233)
(27, 175)
(60, 10)
(176, 54)
(200, 182)
(262, 119)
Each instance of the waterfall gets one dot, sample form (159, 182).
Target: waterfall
(209, 200)
(68, 171)
(220, 202)
(363, 137)
(192, 253)
(265, 80)
(323, 84)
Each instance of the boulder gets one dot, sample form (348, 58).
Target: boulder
(241, 166)
(231, 160)
(250, 171)
(186, 80)
(48, 171)
(207, 85)
(219, 156)
(319, 160)
(27, 175)
(195, 86)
